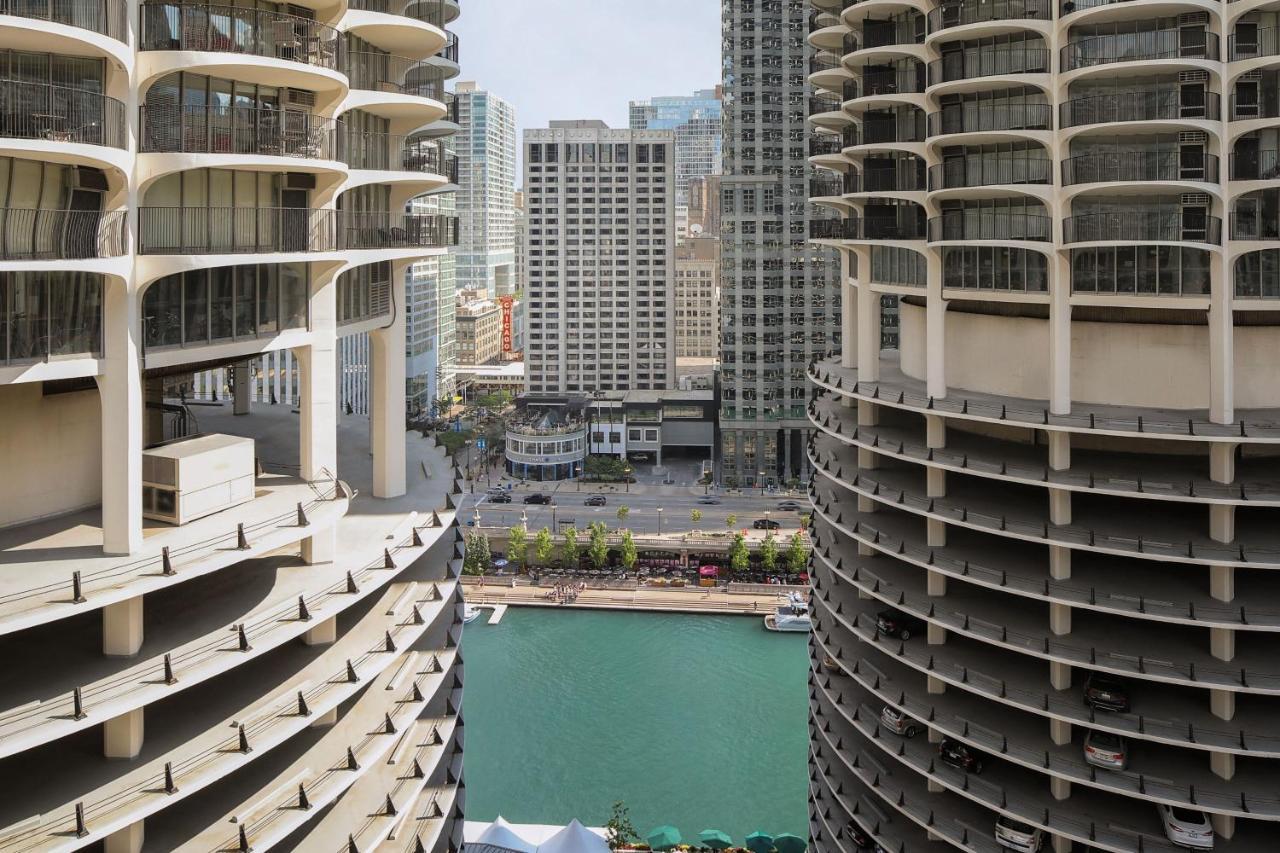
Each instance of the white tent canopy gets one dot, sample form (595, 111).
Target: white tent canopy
(499, 837)
(574, 838)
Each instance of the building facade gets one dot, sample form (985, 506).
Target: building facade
(479, 332)
(203, 615)
(704, 206)
(697, 299)
(519, 228)
(601, 256)
(779, 295)
(486, 145)
(696, 121)
(1042, 528)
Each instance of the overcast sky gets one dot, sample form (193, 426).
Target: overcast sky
(571, 59)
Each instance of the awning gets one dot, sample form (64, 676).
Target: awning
(708, 571)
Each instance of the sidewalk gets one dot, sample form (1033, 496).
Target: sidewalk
(644, 599)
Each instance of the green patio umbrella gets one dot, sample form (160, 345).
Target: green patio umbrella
(759, 842)
(663, 838)
(788, 843)
(715, 839)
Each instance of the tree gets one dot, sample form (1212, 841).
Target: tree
(730, 520)
(797, 554)
(623, 512)
(598, 550)
(695, 516)
(542, 546)
(517, 545)
(619, 831)
(739, 556)
(769, 552)
(476, 559)
(569, 548)
(629, 554)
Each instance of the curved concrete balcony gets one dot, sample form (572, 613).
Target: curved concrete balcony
(972, 172)
(1258, 51)
(1127, 107)
(1262, 167)
(235, 230)
(1145, 47)
(897, 390)
(902, 179)
(1114, 167)
(856, 228)
(987, 18)
(60, 235)
(1141, 226)
(438, 13)
(71, 27)
(1253, 227)
(400, 88)
(61, 124)
(1011, 63)
(385, 158)
(987, 226)
(105, 17)
(388, 231)
(997, 119)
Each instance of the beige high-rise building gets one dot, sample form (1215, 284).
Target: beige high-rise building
(697, 301)
(226, 626)
(1045, 528)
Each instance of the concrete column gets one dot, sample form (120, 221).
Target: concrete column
(1221, 342)
(122, 628)
(1223, 764)
(243, 388)
(1059, 787)
(122, 735)
(848, 310)
(1060, 675)
(323, 634)
(865, 550)
(1222, 703)
(387, 408)
(1060, 731)
(1059, 506)
(1223, 824)
(318, 410)
(1059, 334)
(1222, 522)
(152, 414)
(120, 393)
(1222, 462)
(126, 840)
(868, 413)
(328, 718)
(935, 735)
(320, 546)
(937, 583)
(1059, 562)
(937, 532)
(1061, 844)
(935, 323)
(935, 686)
(868, 319)
(1060, 619)
(1059, 449)
(1222, 582)
(1222, 643)
(936, 635)
(936, 439)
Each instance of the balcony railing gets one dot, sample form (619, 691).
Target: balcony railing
(388, 151)
(905, 178)
(1265, 105)
(867, 228)
(231, 29)
(108, 17)
(824, 104)
(1139, 166)
(979, 116)
(971, 64)
(379, 230)
(990, 225)
(450, 49)
(428, 11)
(985, 172)
(234, 230)
(1166, 104)
(821, 19)
(895, 81)
(61, 235)
(824, 144)
(1265, 42)
(823, 61)
(851, 43)
(1139, 47)
(955, 14)
(383, 72)
(880, 132)
(60, 114)
(1141, 226)
(1254, 226)
(223, 129)
(1255, 165)
(819, 187)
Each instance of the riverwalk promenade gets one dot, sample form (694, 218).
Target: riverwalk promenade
(734, 599)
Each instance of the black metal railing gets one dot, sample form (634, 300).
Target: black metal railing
(875, 131)
(904, 178)
(823, 61)
(383, 72)
(39, 235)
(953, 14)
(824, 144)
(1137, 106)
(825, 187)
(894, 81)
(232, 29)
(1139, 47)
(850, 44)
(851, 89)
(970, 64)
(1264, 42)
(450, 49)
(108, 17)
(434, 12)
(1109, 166)
(389, 151)
(868, 228)
(990, 225)
(382, 230)
(986, 171)
(224, 129)
(1265, 105)
(827, 229)
(1141, 226)
(234, 230)
(1261, 165)
(977, 116)
(1254, 225)
(60, 114)
(821, 19)
(824, 104)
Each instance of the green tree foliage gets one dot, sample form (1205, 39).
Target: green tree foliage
(598, 550)
(517, 545)
(739, 556)
(629, 553)
(619, 832)
(476, 559)
(695, 516)
(797, 554)
(730, 521)
(569, 548)
(769, 552)
(623, 512)
(606, 468)
(543, 546)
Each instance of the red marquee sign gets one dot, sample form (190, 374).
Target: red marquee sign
(506, 302)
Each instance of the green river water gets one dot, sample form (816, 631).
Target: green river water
(696, 721)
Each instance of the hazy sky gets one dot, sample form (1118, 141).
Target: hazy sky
(569, 59)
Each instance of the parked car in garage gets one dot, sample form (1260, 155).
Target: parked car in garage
(898, 722)
(1186, 827)
(1106, 692)
(961, 755)
(1103, 749)
(899, 625)
(1016, 835)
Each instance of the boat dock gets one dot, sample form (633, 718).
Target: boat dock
(653, 599)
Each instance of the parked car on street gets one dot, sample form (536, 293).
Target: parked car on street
(1103, 749)
(899, 625)
(898, 722)
(1186, 827)
(1106, 692)
(537, 498)
(594, 500)
(765, 524)
(1016, 835)
(503, 498)
(961, 755)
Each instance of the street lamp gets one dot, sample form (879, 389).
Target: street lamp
(761, 484)
(578, 475)
(659, 521)
(476, 518)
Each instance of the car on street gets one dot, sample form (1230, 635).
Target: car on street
(1106, 692)
(494, 491)
(503, 498)
(790, 506)
(899, 625)
(594, 500)
(709, 501)
(898, 722)
(1016, 835)
(1186, 827)
(959, 754)
(1103, 749)
(537, 498)
(765, 524)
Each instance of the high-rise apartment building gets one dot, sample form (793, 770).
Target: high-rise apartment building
(696, 121)
(235, 626)
(430, 288)
(704, 206)
(486, 145)
(519, 228)
(601, 255)
(779, 295)
(1044, 528)
(697, 301)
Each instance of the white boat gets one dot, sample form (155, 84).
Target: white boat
(470, 613)
(790, 617)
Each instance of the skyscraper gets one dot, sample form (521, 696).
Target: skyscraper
(779, 294)
(1044, 529)
(698, 127)
(601, 258)
(486, 145)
